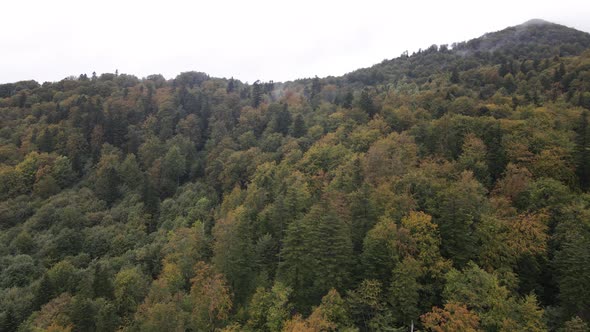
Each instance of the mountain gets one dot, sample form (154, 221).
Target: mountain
(447, 189)
(535, 39)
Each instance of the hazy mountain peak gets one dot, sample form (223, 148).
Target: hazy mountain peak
(534, 39)
(536, 21)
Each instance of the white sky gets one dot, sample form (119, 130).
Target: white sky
(248, 39)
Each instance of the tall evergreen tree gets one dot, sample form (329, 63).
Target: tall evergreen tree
(317, 255)
(299, 128)
(366, 103)
(257, 92)
(583, 151)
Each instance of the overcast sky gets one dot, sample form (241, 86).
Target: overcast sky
(249, 40)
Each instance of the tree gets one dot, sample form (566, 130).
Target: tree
(393, 156)
(317, 254)
(348, 99)
(173, 168)
(483, 294)
(185, 247)
(458, 210)
(233, 252)
(424, 240)
(44, 292)
(332, 310)
(583, 151)
(130, 288)
(455, 79)
(257, 93)
(330, 315)
(210, 298)
(130, 172)
(231, 85)
(367, 307)
(454, 317)
(107, 179)
(526, 316)
(299, 128)
(575, 324)
(572, 261)
(23, 243)
(269, 309)
(83, 314)
(46, 187)
(63, 276)
(332, 250)
(62, 172)
(404, 291)
(102, 284)
(366, 103)
(45, 141)
(314, 96)
(283, 120)
(296, 267)
(510, 84)
(473, 158)
(162, 316)
(380, 250)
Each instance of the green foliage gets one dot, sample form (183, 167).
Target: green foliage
(447, 188)
(317, 255)
(130, 287)
(572, 259)
(404, 291)
(269, 309)
(457, 212)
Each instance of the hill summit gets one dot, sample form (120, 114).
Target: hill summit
(535, 39)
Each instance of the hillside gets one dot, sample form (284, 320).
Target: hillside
(447, 189)
(532, 40)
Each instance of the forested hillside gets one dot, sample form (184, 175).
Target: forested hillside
(447, 189)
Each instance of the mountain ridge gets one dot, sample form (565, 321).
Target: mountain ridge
(534, 39)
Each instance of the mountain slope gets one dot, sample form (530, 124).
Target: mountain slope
(532, 40)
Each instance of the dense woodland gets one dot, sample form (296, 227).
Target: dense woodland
(447, 189)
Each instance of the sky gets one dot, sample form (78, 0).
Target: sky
(248, 40)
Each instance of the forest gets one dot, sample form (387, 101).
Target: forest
(444, 190)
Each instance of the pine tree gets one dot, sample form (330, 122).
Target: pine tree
(314, 96)
(257, 94)
(348, 99)
(583, 151)
(299, 128)
(9, 322)
(102, 285)
(45, 141)
(331, 247)
(459, 208)
(405, 291)
(317, 255)
(282, 120)
(107, 184)
(231, 85)
(366, 103)
(44, 292)
(455, 76)
(295, 264)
